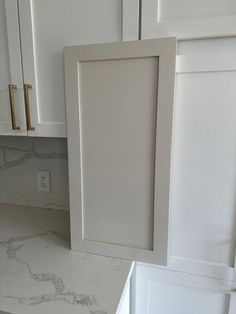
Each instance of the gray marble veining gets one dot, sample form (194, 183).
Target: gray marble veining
(39, 274)
(27, 154)
(21, 158)
(60, 292)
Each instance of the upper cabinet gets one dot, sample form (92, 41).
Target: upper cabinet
(12, 113)
(188, 18)
(35, 33)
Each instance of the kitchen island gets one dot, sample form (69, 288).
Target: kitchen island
(40, 274)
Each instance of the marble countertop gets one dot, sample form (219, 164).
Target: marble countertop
(39, 274)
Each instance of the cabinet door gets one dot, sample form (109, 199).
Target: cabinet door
(162, 291)
(119, 116)
(188, 18)
(10, 72)
(46, 27)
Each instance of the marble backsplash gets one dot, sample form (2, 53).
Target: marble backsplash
(21, 158)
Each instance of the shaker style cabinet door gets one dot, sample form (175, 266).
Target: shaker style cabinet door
(188, 18)
(46, 27)
(12, 111)
(42, 67)
(165, 291)
(119, 99)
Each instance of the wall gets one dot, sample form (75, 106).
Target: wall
(20, 158)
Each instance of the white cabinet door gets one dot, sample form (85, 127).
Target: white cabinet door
(204, 158)
(188, 18)
(119, 116)
(232, 303)
(46, 27)
(12, 113)
(162, 291)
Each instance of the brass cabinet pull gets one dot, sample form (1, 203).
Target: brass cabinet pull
(11, 89)
(27, 107)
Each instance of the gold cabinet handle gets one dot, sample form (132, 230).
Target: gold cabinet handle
(11, 89)
(27, 107)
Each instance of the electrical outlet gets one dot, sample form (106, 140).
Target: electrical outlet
(43, 181)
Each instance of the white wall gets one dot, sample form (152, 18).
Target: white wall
(20, 158)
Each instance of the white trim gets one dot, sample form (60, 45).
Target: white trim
(28, 57)
(6, 129)
(202, 268)
(194, 280)
(42, 128)
(206, 63)
(186, 28)
(15, 65)
(130, 19)
(49, 129)
(126, 291)
(133, 291)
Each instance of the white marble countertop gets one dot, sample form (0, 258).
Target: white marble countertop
(40, 275)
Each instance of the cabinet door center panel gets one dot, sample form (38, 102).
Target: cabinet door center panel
(118, 100)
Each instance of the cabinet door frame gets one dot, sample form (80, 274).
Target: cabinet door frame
(186, 28)
(15, 70)
(145, 274)
(49, 129)
(165, 49)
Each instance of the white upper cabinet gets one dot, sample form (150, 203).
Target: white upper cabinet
(12, 113)
(119, 114)
(188, 18)
(46, 27)
(33, 35)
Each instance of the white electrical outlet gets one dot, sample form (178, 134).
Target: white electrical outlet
(43, 181)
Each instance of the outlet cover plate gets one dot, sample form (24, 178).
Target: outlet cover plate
(43, 178)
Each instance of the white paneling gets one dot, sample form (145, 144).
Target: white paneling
(64, 23)
(188, 18)
(159, 290)
(232, 305)
(206, 55)
(204, 167)
(112, 142)
(118, 149)
(206, 46)
(202, 219)
(219, 62)
(201, 267)
(11, 71)
(172, 9)
(184, 300)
